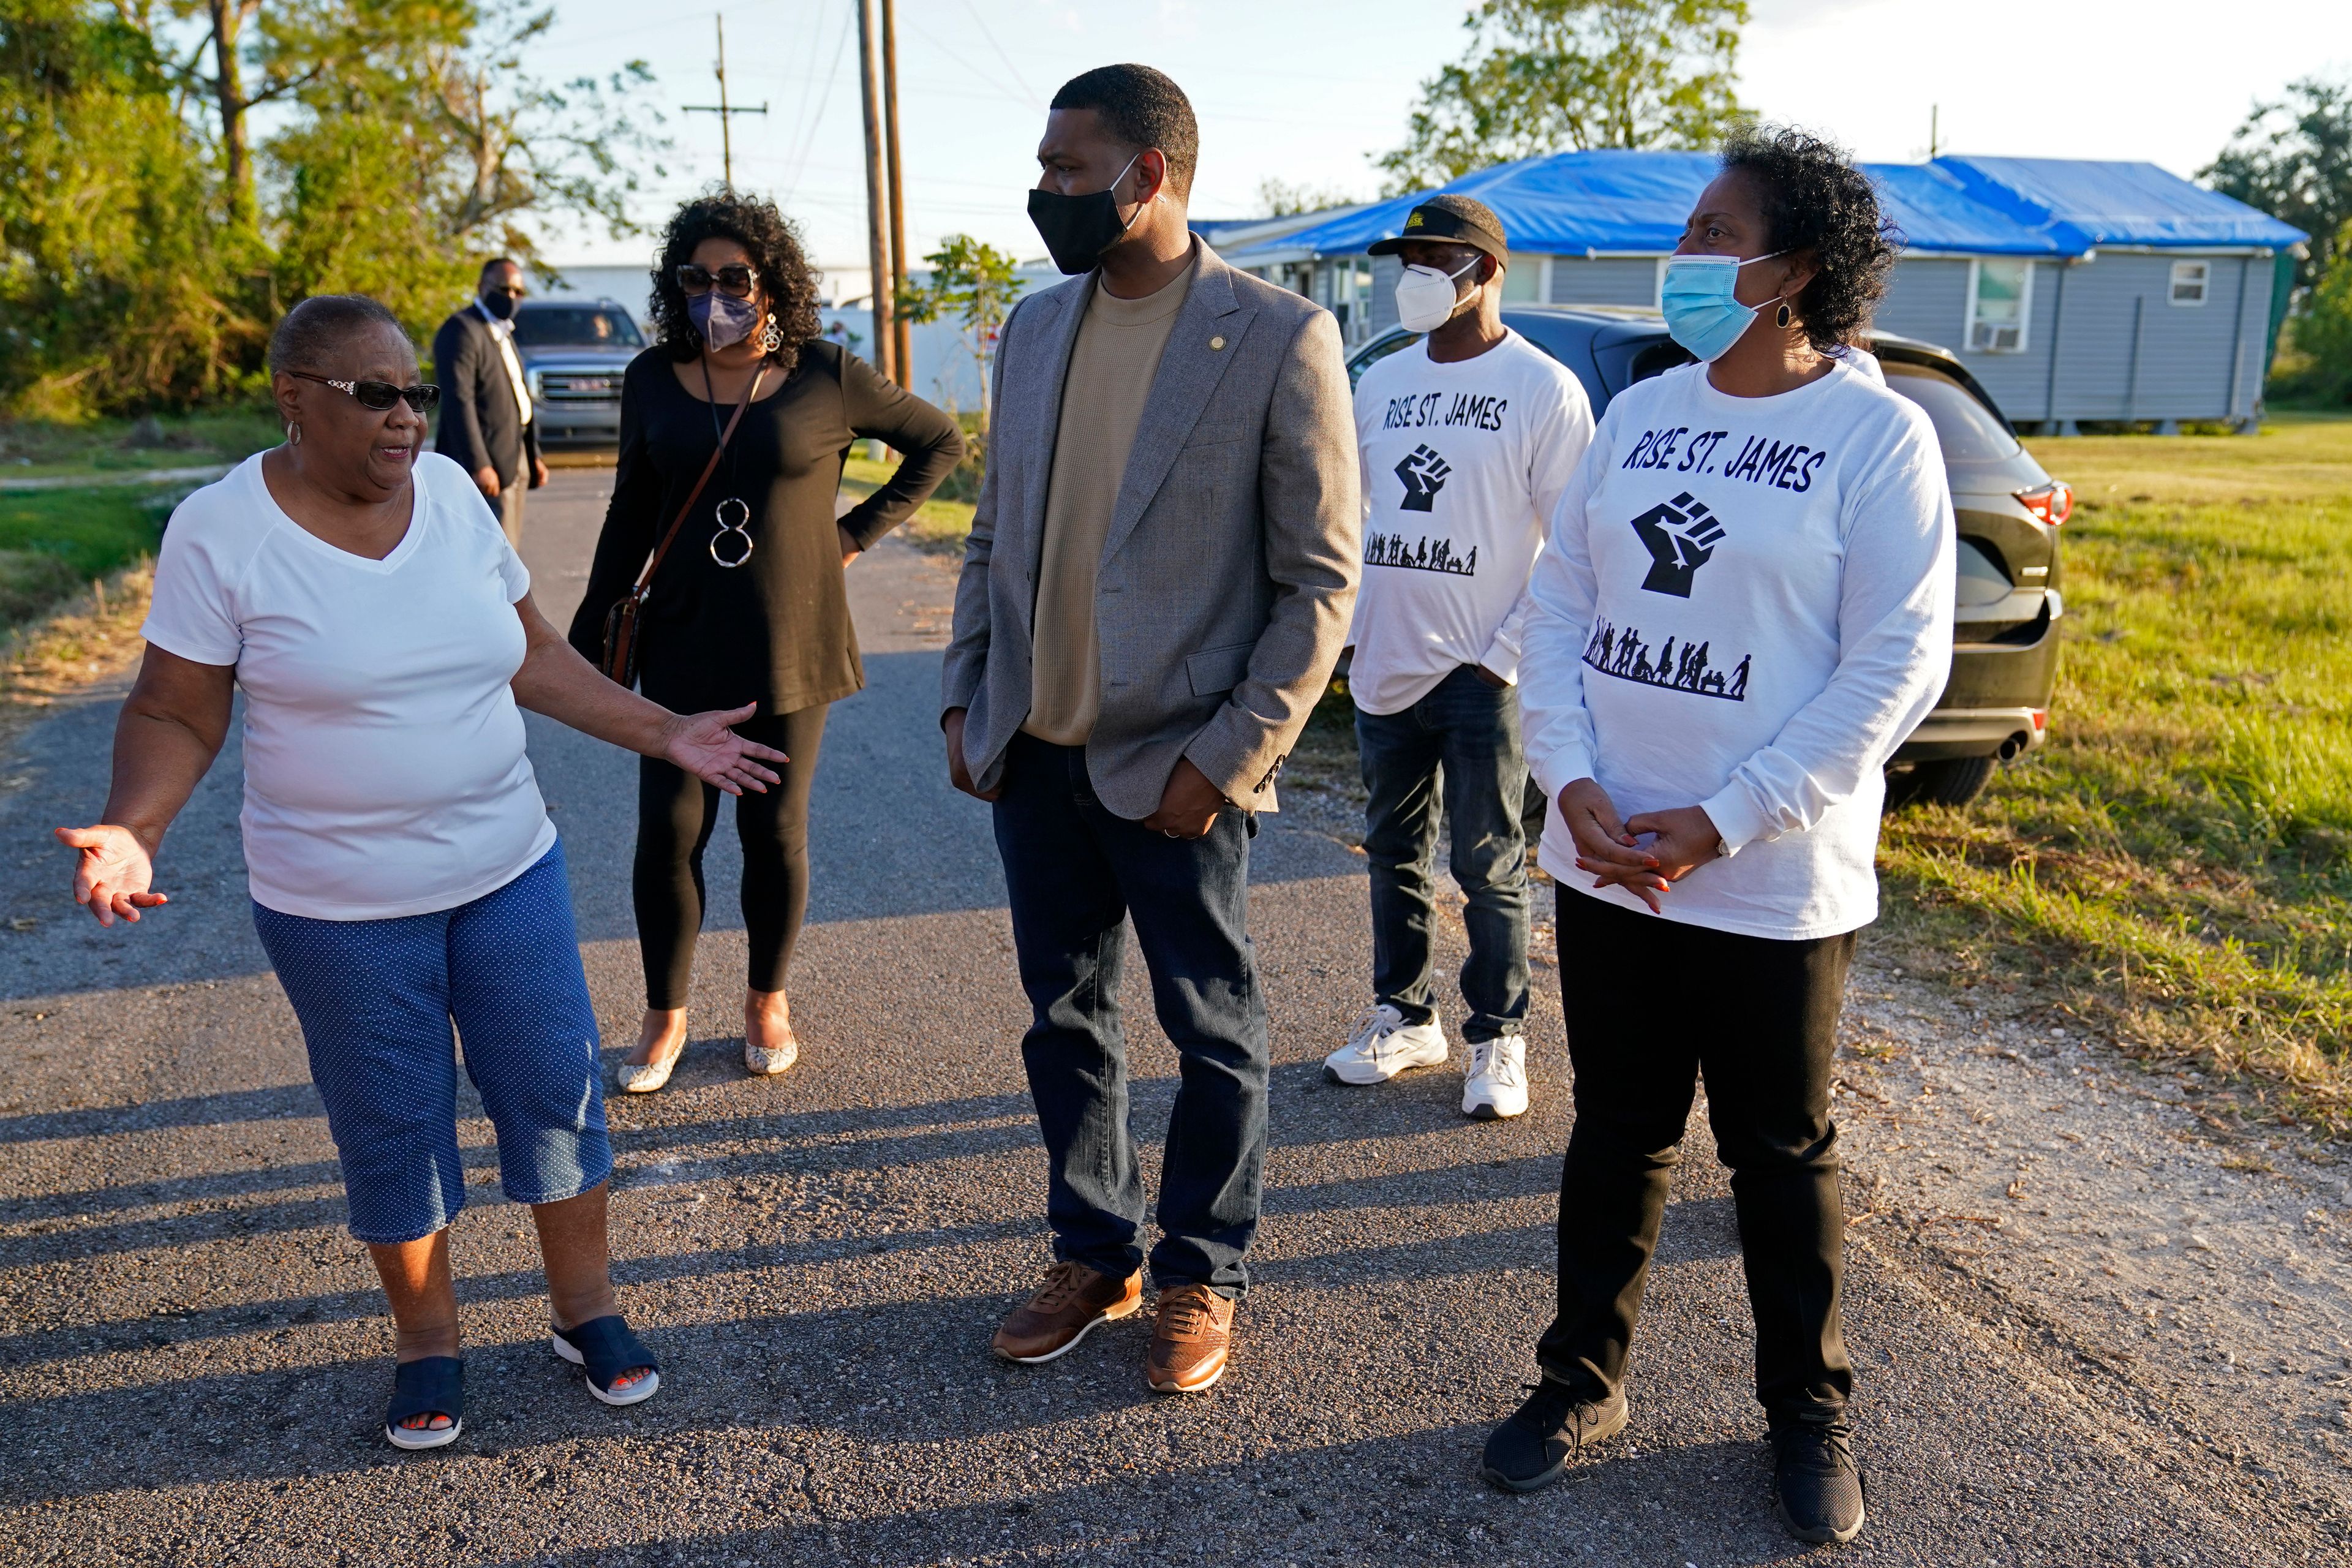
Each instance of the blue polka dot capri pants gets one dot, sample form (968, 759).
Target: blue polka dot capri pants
(376, 999)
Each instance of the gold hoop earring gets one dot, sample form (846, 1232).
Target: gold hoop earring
(1783, 316)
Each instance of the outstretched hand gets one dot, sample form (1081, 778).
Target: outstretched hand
(115, 873)
(704, 745)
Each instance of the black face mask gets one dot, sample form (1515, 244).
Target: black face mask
(1079, 229)
(500, 304)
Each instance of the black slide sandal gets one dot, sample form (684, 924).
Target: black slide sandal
(606, 1347)
(433, 1386)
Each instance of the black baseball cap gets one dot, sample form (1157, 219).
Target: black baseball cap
(1456, 220)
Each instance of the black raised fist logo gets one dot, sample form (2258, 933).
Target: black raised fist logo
(1423, 473)
(1675, 557)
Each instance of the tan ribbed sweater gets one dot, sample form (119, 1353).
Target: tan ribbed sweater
(1111, 368)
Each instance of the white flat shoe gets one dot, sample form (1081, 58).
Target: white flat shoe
(646, 1078)
(767, 1061)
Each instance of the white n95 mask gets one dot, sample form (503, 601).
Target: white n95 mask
(1425, 297)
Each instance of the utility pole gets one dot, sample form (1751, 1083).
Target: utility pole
(726, 113)
(877, 209)
(1934, 143)
(903, 342)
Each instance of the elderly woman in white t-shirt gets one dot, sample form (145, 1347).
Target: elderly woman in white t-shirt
(403, 870)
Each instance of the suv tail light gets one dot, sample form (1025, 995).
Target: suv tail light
(2051, 503)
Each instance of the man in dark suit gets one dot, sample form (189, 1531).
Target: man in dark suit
(486, 417)
(1157, 585)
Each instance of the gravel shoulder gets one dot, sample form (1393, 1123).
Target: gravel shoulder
(2093, 1325)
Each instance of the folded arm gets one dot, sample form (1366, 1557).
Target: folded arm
(928, 438)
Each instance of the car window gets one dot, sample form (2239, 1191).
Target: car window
(576, 326)
(1396, 343)
(1968, 431)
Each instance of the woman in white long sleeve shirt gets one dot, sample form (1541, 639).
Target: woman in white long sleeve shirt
(1744, 607)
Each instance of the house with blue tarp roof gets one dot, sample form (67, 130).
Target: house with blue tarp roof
(2072, 290)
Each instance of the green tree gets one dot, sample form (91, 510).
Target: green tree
(426, 141)
(972, 282)
(2322, 334)
(146, 248)
(118, 288)
(2293, 159)
(1546, 76)
(1280, 198)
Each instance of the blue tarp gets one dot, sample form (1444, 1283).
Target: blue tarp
(2117, 204)
(1571, 202)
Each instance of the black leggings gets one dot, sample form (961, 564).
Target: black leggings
(676, 812)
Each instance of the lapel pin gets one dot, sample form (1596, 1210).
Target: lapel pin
(1216, 343)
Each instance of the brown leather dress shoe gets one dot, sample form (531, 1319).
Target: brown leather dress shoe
(1190, 1334)
(1066, 1308)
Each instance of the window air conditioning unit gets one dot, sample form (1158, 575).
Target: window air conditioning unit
(1995, 337)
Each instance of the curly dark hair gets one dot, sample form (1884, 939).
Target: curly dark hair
(774, 242)
(1815, 201)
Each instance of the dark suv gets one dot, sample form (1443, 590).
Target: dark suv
(573, 351)
(1996, 705)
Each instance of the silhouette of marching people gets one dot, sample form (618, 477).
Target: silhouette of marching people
(1428, 555)
(1625, 655)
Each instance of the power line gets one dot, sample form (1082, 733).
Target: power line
(804, 141)
(1015, 71)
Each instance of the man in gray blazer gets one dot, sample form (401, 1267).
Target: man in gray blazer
(1159, 581)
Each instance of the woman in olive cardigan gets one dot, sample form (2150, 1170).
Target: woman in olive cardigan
(750, 601)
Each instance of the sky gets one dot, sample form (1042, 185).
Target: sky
(1307, 91)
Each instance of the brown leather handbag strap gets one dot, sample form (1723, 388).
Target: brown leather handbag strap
(653, 562)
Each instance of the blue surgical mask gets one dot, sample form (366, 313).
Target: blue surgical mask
(1701, 313)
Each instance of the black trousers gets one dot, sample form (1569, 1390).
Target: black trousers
(1651, 1004)
(677, 811)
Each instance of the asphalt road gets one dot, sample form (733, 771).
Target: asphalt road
(196, 1358)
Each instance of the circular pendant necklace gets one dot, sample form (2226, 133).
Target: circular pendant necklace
(734, 514)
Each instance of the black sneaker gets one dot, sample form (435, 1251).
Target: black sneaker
(1532, 1450)
(1816, 1490)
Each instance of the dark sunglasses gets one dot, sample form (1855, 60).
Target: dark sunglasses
(378, 396)
(736, 281)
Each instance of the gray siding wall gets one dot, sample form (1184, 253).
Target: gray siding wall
(1607, 281)
(2122, 350)
(1385, 271)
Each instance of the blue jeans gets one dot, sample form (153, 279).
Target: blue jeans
(1460, 743)
(376, 999)
(1075, 873)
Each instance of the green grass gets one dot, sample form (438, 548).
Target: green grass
(53, 542)
(938, 525)
(38, 448)
(2177, 863)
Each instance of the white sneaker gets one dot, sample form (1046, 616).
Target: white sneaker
(1383, 1045)
(1497, 1085)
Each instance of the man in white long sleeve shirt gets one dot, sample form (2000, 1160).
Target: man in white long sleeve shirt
(1467, 440)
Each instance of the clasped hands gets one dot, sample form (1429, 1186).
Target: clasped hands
(1188, 806)
(1680, 841)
